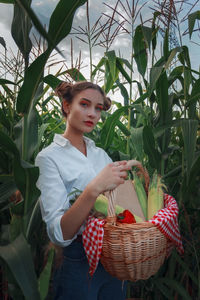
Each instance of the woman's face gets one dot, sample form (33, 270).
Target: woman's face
(85, 111)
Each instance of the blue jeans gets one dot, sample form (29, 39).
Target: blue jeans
(73, 282)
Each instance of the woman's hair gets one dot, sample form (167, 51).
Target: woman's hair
(67, 91)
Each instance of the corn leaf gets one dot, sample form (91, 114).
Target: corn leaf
(45, 276)
(18, 257)
(108, 130)
(149, 148)
(191, 21)
(189, 130)
(112, 63)
(139, 47)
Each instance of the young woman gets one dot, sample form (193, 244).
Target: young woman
(72, 162)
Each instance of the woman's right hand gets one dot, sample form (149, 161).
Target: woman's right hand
(110, 177)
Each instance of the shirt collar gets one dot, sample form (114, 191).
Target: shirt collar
(62, 141)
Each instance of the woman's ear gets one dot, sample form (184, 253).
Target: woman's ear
(65, 105)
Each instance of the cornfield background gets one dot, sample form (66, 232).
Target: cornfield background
(157, 123)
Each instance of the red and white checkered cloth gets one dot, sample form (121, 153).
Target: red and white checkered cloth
(166, 220)
(92, 238)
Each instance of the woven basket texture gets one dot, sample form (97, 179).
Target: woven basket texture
(131, 251)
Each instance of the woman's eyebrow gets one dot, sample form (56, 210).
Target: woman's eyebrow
(86, 99)
(91, 101)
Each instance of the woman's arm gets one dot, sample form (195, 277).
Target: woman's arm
(109, 178)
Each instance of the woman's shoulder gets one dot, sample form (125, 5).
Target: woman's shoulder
(56, 147)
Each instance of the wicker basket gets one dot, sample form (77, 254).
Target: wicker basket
(131, 251)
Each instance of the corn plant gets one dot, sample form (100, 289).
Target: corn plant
(18, 145)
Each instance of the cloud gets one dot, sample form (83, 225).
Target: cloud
(6, 15)
(81, 13)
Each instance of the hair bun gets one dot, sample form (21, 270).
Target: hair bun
(107, 103)
(63, 88)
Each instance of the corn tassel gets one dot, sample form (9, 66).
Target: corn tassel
(141, 194)
(155, 196)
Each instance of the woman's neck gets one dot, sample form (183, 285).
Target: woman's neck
(76, 140)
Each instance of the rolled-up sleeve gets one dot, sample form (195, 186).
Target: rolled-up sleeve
(53, 198)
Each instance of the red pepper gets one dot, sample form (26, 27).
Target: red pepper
(126, 217)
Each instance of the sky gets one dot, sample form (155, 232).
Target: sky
(121, 44)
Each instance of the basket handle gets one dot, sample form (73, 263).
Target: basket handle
(111, 218)
(142, 170)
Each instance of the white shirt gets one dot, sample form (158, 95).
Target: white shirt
(64, 168)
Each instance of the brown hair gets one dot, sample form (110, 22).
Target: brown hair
(67, 91)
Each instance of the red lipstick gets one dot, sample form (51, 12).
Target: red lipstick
(89, 123)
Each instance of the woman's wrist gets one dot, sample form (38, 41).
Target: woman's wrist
(92, 190)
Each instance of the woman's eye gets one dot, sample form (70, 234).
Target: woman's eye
(84, 103)
(99, 108)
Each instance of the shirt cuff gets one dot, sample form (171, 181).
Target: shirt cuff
(55, 233)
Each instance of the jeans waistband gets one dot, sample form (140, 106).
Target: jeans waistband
(75, 249)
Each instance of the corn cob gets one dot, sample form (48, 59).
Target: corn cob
(141, 194)
(155, 195)
(101, 206)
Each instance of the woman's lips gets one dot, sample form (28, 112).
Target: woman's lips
(89, 123)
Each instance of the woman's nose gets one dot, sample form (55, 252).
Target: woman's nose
(92, 112)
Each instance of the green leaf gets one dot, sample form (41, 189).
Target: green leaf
(122, 70)
(41, 131)
(194, 97)
(61, 19)
(52, 81)
(26, 176)
(2, 42)
(184, 56)
(35, 221)
(162, 97)
(98, 67)
(76, 75)
(149, 148)
(163, 289)
(124, 92)
(112, 63)
(7, 1)
(171, 56)
(45, 276)
(28, 11)
(176, 286)
(20, 29)
(59, 27)
(139, 47)
(123, 128)
(189, 129)
(26, 134)
(176, 74)
(191, 21)
(147, 33)
(8, 144)
(5, 81)
(16, 226)
(108, 130)
(5, 121)
(185, 267)
(137, 141)
(33, 76)
(18, 257)
(155, 73)
(7, 189)
(141, 98)
(166, 45)
(108, 78)
(140, 89)
(124, 61)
